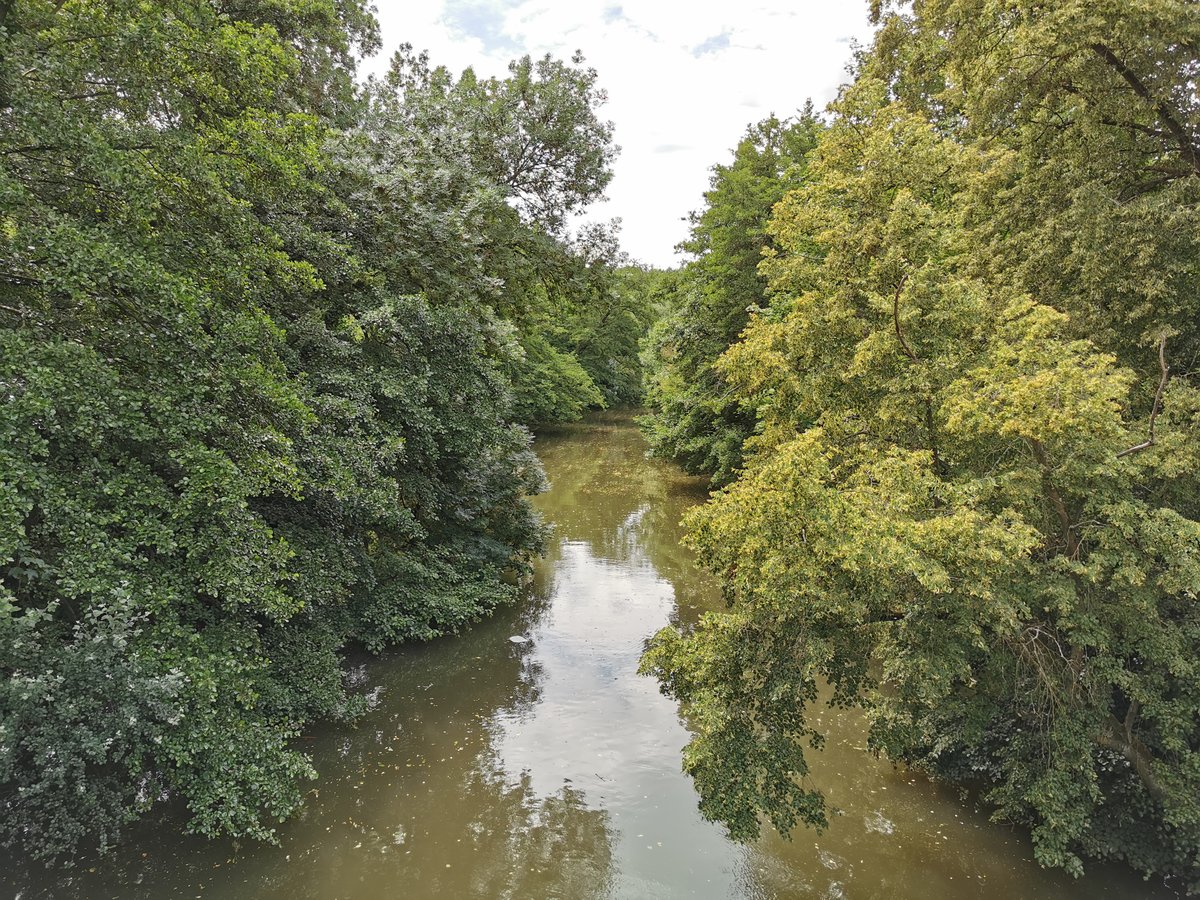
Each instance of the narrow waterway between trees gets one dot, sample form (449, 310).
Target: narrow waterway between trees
(527, 758)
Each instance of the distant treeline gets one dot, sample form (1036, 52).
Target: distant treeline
(940, 347)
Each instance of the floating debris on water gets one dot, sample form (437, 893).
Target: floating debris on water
(830, 860)
(879, 823)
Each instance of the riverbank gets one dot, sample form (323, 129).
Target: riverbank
(547, 767)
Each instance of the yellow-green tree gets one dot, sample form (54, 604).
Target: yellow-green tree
(972, 505)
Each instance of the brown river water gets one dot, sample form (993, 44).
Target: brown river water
(548, 768)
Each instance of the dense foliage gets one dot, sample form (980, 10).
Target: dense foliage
(696, 419)
(261, 331)
(971, 504)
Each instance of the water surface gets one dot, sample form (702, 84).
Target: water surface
(546, 767)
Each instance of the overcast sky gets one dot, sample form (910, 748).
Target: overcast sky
(684, 79)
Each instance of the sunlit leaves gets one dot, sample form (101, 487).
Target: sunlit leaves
(971, 504)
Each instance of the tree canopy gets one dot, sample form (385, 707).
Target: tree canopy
(970, 501)
(696, 419)
(265, 335)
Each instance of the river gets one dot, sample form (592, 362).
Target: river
(546, 767)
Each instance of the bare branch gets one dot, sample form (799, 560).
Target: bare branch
(1158, 395)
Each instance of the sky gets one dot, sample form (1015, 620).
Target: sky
(684, 80)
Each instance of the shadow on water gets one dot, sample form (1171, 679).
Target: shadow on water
(546, 767)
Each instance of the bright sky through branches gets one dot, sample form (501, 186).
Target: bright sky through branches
(684, 79)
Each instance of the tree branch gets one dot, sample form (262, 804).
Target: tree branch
(1158, 395)
(1056, 499)
(29, 148)
(1134, 126)
(931, 426)
(938, 467)
(896, 319)
(1118, 738)
(1185, 140)
(23, 280)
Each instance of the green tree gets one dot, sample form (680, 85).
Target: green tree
(540, 138)
(971, 504)
(696, 419)
(520, 156)
(153, 168)
(605, 306)
(256, 394)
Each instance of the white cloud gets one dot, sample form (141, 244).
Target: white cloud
(713, 44)
(684, 79)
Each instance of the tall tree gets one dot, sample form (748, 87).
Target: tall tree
(971, 507)
(521, 155)
(696, 419)
(256, 393)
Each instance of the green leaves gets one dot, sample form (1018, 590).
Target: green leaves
(255, 402)
(951, 511)
(696, 419)
(550, 385)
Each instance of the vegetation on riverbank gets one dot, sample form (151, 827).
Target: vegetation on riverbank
(268, 339)
(271, 340)
(969, 499)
